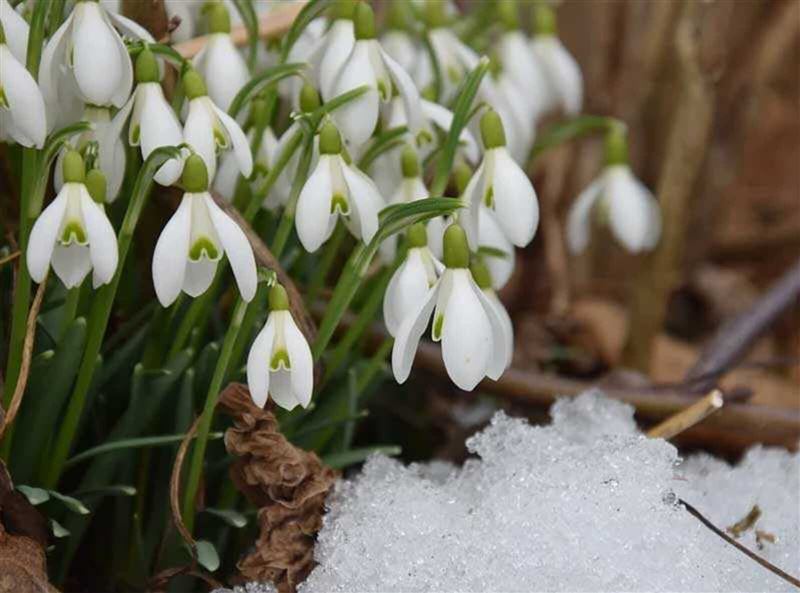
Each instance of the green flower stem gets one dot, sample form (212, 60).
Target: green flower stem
(287, 218)
(30, 206)
(374, 364)
(99, 315)
(69, 309)
(323, 267)
(579, 126)
(203, 429)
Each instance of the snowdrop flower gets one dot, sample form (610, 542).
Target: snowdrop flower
(564, 86)
(334, 47)
(111, 151)
(497, 251)
(483, 279)
(305, 50)
(280, 362)
(22, 109)
(618, 199)
(186, 12)
(502, 186)
(397, 41)
(474, 344)
(193, 241)
(153, 123)
(219, 62)
(73, 233)
(410, 188)
(336, 189)
(369, 65)
(210, 130)
(15, 28)
(411, 281)
(87, 54)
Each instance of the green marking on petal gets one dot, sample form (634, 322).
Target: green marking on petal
(280, 359)
(204, 247)
(73, 233)
(488, 197)
(339, 203)
(384, 90)
(438, 325)
(3, 99)
(136, 134)
(220, 139)
(453, 74)
(424, 137)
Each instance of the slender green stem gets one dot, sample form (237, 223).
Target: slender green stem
(99, 316)
(374, 364)
(324, 265)
(287, 218)
(69, 309)
(203, 429)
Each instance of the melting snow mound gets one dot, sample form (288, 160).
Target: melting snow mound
(587, 503)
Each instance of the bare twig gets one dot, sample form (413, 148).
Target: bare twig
(744, 550)
(10, 257)
(735, 337)
(272, 24)
(175, 491)
(27, 353)
(694, 414)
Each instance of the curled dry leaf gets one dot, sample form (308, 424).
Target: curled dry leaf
(23, 538)
(288, 484)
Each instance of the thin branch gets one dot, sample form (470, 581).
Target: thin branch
(685, 419)
(744, 550)
(9, 258)
(27, 353)
(175, 491)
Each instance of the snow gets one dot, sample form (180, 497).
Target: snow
(587, 503)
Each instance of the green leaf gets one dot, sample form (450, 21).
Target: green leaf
(564, 131)
(338, 101)
(382, 143)
(73, 504)
(35, 496)
(461, 112)
(114, 490)
(266, 78)
(58, 529)
(354, 456)
(134, 443)
(207, 555)
(250, 20)
(495, 252)
(309, 12)
(135, 47)
(57, 139)
(231, 517)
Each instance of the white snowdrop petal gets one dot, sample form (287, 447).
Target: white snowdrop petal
(126, 71)
(409, 334)
(198, 276)
(114, 160)
(281, 389)
(237, 248)
(500, 355)
(95, 55)
(102, 239)
(160, 127)
(400, 46)
(199, 134)
(365, 200)
(241, 147)
(508, 326)
(25, 102)
(53, 55)
(258, 360)
(629, 209)
(467, 334)
(43, 237)
(338, 44)
(357, 119)
(313, 215)
(515, 202)
(16, 29)
(468, 215)
(491, 235)
(130, 27)
(172, 254)
(563, 72)
(224, 70)
(579, 219)
(302, 363)
(407, 90)
(409, 286)
(443, 118)
(71, 263)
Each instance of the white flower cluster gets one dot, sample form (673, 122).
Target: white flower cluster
(103, 68)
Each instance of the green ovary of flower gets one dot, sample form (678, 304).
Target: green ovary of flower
(203, 247)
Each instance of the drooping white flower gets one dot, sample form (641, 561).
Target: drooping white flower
(369, 65)
(474, 344)
(228, 173)
(111, 151)
(22, 109)
(194, 240)
(209, 130)
(333, 48)
(186, 12)
(220, 63)
(502, 186)
(153, 123)
(411, 281)
(336, 189)
(305, 50)
(73, 234)
(397, 40)
(497, 251)
(482, 275)
(86, 55)
(280, 362)
(15, 28)
(564, 81)
(621, 201)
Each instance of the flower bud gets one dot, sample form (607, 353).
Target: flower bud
(259, 112)
(193, 85)
(73, 167)
(146, 67)
(309, 98)
(96, 184)
(462, 173)
(278, 299)
(492, 130)
(219, 21)
(330, 142)
(409, 163)
(417, 235)
(481, 273)
(364, 21)
(195, 175)
(456, 251)
(616, 145)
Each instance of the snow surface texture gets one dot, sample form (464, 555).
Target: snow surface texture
(585, 504)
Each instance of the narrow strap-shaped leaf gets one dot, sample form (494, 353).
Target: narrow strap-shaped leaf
(263, 80)
(310, 11)
(564, 131)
